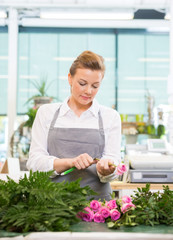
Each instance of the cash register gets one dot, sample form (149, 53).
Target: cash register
(152, 162)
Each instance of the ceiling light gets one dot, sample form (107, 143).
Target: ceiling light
(3, 14)
(87, 15)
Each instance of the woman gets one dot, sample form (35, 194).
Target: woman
(75, 132)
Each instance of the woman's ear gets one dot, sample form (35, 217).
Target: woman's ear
(70, 79)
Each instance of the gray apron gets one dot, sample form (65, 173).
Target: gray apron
(71, 142)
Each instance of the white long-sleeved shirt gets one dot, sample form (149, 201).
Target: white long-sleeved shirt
(39, 158)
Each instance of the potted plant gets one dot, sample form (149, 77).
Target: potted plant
(41, 97)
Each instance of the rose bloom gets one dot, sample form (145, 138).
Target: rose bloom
(115, 214)
(98, 218)
(127, 206)
(121, 168)
(111, 204)
(126, 199)
(95, 205)
(105, 212)
(87, 217)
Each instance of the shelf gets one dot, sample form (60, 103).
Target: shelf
(118, 185)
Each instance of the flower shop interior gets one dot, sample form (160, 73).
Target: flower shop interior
(39, 40)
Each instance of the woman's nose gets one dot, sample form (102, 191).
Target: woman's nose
(88, 90)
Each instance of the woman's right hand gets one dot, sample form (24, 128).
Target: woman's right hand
(83, 161)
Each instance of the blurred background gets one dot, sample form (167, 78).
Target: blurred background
(39, 39)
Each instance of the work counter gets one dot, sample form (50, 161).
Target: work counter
(99, 231)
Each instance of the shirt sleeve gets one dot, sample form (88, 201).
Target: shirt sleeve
(112, 148)
(108, 178)
(39, 158)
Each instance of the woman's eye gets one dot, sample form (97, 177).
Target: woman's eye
(82, 84)
(95, 86)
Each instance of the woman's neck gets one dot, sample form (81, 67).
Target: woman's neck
(77, 107)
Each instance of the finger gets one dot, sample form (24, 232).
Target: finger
(82, 165)
(111, 163)
(90, 160)
(87, 159)
(83, 161)
(112, 168)
(106, 165)
(77, 165)
(94, 161)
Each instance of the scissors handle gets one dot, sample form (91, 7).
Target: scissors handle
(68, 171)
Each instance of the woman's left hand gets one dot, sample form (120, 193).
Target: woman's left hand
(105, 167)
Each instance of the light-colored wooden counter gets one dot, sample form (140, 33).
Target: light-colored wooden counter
(118, 185)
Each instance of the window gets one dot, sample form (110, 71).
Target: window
(50, 52)
(143, 65)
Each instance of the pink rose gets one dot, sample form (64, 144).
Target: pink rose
(121, 168)
(127, 206)
(95, 205)
(87, 217)
(126, 199)
(115, 214)
(104, 211)
(111, 204)
(98, 218)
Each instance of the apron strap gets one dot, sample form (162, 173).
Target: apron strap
(57, 113)
(55, 117)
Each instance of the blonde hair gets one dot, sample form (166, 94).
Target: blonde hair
(88, 60)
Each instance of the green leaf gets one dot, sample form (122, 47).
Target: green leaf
(110, 224)
(36, 203)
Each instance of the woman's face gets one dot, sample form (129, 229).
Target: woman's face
(84, 85)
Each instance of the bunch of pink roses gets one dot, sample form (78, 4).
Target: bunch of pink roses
(108, 211)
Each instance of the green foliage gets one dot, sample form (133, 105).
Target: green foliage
(161, 130)
(153, 207)
(141, 129)
(151, 129)
(42, 87)
(38, 204)
(31, 116)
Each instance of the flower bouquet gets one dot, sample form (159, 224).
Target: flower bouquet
(143, 208)
(114, 212)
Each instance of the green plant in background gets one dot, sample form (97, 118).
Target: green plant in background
(31, 116)
(38, 204)
(161, 130)
(42, 87)
(151, 130)
(141, 129)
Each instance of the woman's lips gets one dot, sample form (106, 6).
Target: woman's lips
(85, 98)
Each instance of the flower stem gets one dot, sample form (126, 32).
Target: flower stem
(110, 164)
